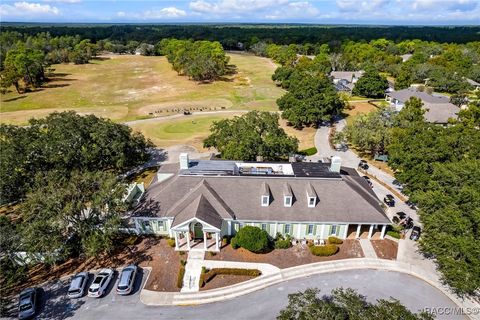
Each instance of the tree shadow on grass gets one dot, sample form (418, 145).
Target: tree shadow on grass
(100, 58)
(15, 99)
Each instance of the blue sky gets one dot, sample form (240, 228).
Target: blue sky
(397, 12)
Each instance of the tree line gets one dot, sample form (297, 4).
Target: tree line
(199, 60)
(439, 168)
(248, 34)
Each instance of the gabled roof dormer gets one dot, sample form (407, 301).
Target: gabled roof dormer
(311, 196)
(287, 195)
(265, 195)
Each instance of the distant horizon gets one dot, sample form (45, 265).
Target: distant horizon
(227, 23)
(314, 12)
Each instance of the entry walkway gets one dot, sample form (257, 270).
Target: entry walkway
(193, 270)
(367, 248)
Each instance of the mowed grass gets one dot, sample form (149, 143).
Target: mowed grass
(191, 130)
(126, 87)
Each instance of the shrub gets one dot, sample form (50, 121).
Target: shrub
(308, 152)
(393, 234)
(207, 275)
(171, 242)
(252, 238)
(234, 244)
(283, 243)
(181, 273)
(326, 250)
(334, 240)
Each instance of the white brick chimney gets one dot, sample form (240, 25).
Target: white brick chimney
(184, 162)
(335, 164)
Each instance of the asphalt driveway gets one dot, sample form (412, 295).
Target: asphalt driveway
(263, 304)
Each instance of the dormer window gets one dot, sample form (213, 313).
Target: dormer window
(287, 201)
(265, 201)
(311, 196)
(265, 192)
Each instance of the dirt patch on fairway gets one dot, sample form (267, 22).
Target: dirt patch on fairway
(305, 136)
(359, 107)
(385, 249)
(285, 258)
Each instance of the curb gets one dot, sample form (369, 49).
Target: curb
(230, 292)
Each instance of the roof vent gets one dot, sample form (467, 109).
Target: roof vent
(335, 164)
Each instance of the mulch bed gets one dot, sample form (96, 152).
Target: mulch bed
(285, 258)
(145, 251)
(224, 280)
(385, 249)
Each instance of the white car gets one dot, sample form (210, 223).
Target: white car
(100, 283)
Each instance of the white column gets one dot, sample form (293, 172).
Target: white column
(188, 240)
(229, 228)
(359, 228)
(276, 229)
(176, 240)
(384, 228)
(204, 240)
(345, 233)
(168, 224)
(217, 236)
(370, 231)
(299, 226)
(322, 231)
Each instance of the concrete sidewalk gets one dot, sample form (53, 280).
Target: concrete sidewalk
(367, 248)
(160, 298)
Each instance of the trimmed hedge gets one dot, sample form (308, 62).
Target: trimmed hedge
(251, 238)
(393, 234)
(207, 275)
(326, 250)
(181, 273)
(334, 240)
(308, 152)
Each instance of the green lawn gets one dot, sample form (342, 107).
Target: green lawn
(131, 87)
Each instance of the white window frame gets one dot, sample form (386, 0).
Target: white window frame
(310, 204)
(289, 228)
(308, 229)
(287, 201)
(334, 230)
(265, 203)
(161, 224)
(263, 225)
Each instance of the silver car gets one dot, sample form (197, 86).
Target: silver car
(77, 285)
(127, 280)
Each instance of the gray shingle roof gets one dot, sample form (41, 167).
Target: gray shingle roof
(347, 75)
(439, 109)
(343, 200)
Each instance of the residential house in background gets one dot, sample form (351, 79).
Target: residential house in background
(198, 202)
(439, 109)
(344, 81)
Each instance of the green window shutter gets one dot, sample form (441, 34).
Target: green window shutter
(330, 228)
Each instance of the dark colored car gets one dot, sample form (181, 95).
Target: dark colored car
(411, 205)
(28, 303)
(363, 164)
(408, 223)
(389, 200)
(401, 215)
(415, 235)
(368, 181)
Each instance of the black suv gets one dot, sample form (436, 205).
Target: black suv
(363, 164)
(389, 200)
(415, 235)
(368, 181)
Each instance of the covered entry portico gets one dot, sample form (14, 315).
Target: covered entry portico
(196, 234)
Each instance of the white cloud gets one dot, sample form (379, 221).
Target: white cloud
(63, 1)
(169, 12)
(27, 9)
(445, 5)
(234, 6)
(154, 14)
(361, 6)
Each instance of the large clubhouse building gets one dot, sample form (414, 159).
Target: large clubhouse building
(198, 202)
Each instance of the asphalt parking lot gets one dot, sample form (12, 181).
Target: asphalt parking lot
(56, 305)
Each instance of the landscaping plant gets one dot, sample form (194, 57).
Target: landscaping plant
(251, 238)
